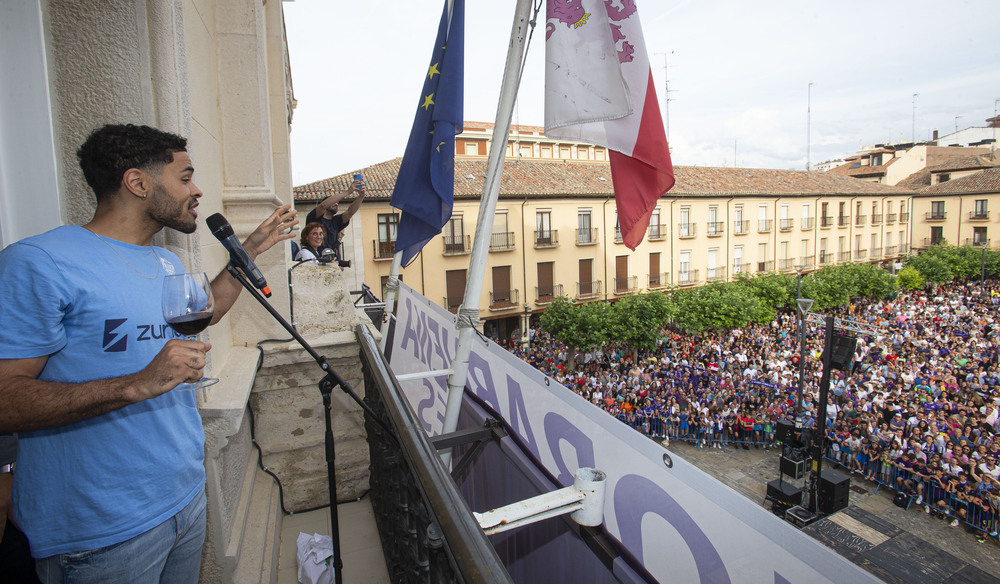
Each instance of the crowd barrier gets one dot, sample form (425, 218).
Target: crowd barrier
(976, 514)
(930, 495)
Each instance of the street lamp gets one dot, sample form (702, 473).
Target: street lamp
(525, 337)
(804, 304)
(982, 269)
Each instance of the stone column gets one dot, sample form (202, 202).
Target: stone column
(287, 403)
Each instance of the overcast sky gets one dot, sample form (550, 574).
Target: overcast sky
(738, 72)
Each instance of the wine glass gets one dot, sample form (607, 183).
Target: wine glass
(188, 307)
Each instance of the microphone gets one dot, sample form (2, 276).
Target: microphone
(238, 256)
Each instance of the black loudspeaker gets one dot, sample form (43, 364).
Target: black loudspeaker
(842, 351)
(834, 491)
(784, 495)
(787, 433)
(792, 467)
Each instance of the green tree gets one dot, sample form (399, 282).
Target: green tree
(717, 306)
(910, 278)
(993, 263)
(636, 321)
(773, 291)
(578, 327)
(931, 266)
(831, 287)
(963, 262)
(871, 281)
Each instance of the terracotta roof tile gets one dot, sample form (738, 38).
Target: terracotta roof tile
(917, 180)
(561, 178)
(967, 163)
(852, 167)
(985, 181)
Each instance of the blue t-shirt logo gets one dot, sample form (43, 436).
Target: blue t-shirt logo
(114, 343)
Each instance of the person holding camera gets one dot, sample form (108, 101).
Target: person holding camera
(326, 214)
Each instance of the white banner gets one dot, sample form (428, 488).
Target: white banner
(681, 524)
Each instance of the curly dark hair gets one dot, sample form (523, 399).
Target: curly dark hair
(308, 229)
(112, 149)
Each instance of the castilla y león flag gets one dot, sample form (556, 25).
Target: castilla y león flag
(599, 89)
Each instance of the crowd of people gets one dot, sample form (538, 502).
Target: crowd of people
(916, 410)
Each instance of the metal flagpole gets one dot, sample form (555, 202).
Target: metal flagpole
(391, 293)
(468, 312)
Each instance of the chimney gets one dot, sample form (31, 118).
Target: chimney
(935, 136)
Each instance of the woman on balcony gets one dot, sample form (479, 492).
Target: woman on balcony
(313, 236)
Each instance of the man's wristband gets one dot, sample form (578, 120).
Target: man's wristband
(7, 468)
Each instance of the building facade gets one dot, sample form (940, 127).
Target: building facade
(555, 231)
(959, 209)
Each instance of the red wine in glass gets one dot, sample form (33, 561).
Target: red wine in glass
(188, 307)
(190, 324)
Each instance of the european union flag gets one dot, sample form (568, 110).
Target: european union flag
(425, 188)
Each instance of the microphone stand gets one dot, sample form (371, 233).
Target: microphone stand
(326, 385)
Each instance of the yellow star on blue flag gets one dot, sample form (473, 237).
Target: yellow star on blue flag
(425, 187)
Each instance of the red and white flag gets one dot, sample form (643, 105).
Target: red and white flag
(599, 89)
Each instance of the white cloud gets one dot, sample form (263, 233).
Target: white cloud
(738, 71)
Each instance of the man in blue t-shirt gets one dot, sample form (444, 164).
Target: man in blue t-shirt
(110, 478)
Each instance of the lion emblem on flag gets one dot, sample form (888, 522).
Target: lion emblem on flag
(574, 15)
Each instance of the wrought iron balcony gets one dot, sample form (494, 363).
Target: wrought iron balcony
(457, 244)
(786, 224)
(427, 533)
(716, 228)
(588, 289)
(659, 280)
(859, 220)
(935, 216)
(890, 218)
(844, 256)
(765, 266)
(626, 285)
(979, 215)
(453, 302)
(686, 230)
(844, 221)
(764, 225)
(826, 221)
(808, 223)
(741, 268)
(860, 254)
(546, 294)
(786, 265)
(383, 250)
(502, 241)
(549, 238)
(876, 219)
(716, 274)
(656, 231)
(741, 227)
(504, 299)
(687, 278)
(586, 236)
